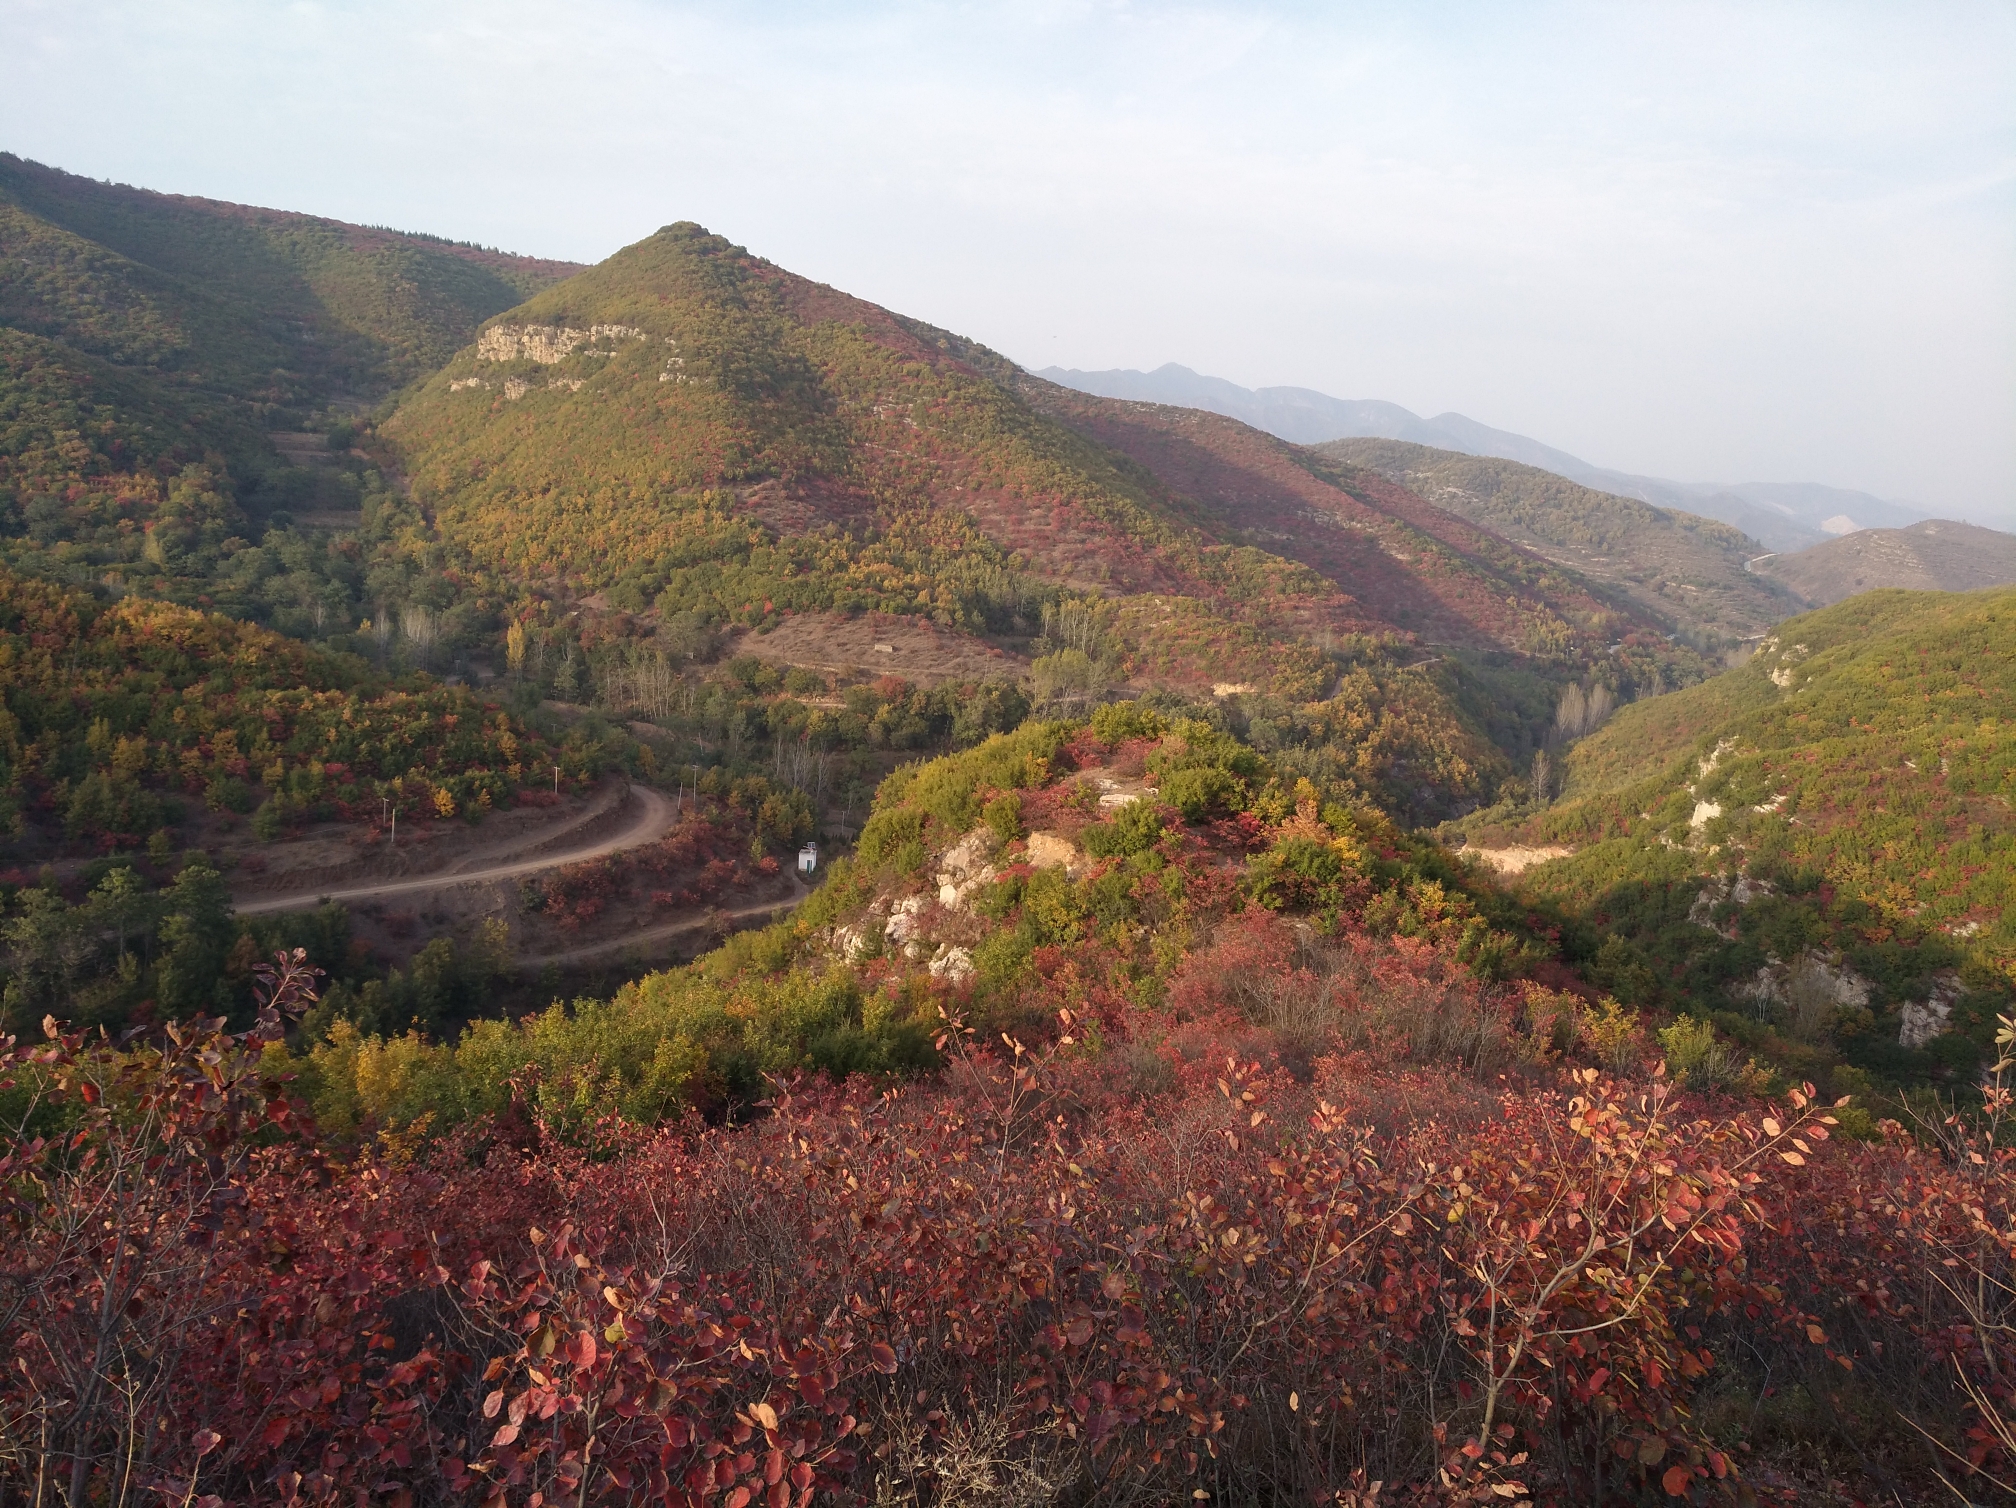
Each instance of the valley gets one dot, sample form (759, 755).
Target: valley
(1319, 966)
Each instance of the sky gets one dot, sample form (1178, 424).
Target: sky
(1745, 242)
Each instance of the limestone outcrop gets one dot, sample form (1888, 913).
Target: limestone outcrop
(547, 344)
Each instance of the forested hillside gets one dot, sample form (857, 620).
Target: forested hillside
(1685, 571)
(150, 345)
(684, 389)
(264, 305)
(687, 433)
(1936, 555)
(1831, 824)
(1126, 1121)
(1134, 1099)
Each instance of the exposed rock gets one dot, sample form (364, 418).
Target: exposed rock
(1518, 858)
(965, 866)
(954, 894)
(1811, 990)
(1704, 813)
(460, 383)
(547, 344)
(1049, 851)
(1739, 888)
(1782, 676)
(966, 857)
(1926, 1019)
(515, 388)
(851, 943)
(905, 925)
(952, 964)
(1715, 756)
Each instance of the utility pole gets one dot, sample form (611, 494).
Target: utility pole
(393, 842)
(556, 780)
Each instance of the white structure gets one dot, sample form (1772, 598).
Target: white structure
(808, 858)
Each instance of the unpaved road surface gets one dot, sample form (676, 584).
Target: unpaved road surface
(645, 936)
(655, 820)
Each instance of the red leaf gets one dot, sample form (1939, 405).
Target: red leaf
(1677, 1480)
(206, 1440)
(883, 1358)
(504, 1436)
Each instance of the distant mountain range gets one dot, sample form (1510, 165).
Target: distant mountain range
(1784, 516)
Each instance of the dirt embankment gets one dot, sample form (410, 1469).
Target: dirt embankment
(1516, 859)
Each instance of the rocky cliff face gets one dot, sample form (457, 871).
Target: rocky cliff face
(547, 344)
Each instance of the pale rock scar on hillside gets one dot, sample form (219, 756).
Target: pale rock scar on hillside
(1518, 858)
(547, 344)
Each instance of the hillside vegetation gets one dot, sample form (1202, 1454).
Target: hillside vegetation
(264, 305)
(1937, 555)
(688, 434)
(1216, 1139)
(150, 344)
(1835, 817)
(1684, 571)
(1140, 1107)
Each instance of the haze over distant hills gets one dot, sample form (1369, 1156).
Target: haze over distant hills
(1936, 555)
(1686, 570)
(1784, 516)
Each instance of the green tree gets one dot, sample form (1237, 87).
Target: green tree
(195, 932)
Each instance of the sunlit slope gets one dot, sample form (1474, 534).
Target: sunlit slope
(1867, 746)
(651, 413)
(688, 418)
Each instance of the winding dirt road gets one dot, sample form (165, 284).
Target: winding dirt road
(657, 820)
(644, 936)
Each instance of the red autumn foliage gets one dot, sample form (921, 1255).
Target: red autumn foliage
(1052, 1275)
(692, 865)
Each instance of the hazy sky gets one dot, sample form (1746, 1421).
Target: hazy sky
(1729, 242)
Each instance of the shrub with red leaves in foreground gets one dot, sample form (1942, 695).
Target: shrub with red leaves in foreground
(1029, 1282)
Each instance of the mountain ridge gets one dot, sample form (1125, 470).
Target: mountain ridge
(1688, 571)
(724, 393)
(1784, 516)
(1933, 555)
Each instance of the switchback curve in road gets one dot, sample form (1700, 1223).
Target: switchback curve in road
(666, 930)
(657, 820)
